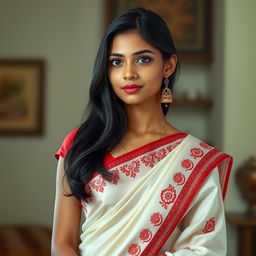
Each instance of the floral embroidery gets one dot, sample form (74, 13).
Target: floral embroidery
(115, 176)
(148, 160)
(209, 226)
(146, 235)
(187, 164)
(196, 152)
(160, 154)
(167, 196)
(187, 248)
(156, 218)
(205, 145)
(99, 184)
(134, 250)
(131, 169)
(179, 178)
(163, 254)
(172, 146)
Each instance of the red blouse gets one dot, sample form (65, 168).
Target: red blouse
(67, 143)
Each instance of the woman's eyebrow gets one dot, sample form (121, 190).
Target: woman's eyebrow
(135, 53)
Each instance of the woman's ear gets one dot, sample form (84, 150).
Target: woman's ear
(170, 65)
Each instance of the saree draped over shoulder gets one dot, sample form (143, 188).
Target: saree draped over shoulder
(164, 198)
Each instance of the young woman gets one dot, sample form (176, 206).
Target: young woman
(145, 187)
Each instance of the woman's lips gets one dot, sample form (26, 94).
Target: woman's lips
(131, 88)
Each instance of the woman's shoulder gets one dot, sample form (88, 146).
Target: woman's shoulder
(66, 144)
(204, 144)
(70, 136)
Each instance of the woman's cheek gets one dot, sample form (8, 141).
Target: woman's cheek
(116, 81)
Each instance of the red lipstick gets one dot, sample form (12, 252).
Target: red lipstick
(131, 88)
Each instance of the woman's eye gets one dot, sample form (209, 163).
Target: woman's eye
(144, 59)
(115, 62)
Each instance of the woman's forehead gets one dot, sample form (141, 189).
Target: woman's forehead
(130, 42)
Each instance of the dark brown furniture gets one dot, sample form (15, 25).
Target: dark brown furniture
(26, 240)
(246, 226)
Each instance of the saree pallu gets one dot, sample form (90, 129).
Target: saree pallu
(164, 198)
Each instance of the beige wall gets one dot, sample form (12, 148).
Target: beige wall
(239, 79)
(66, 34)
(240, 84)
(215, 77)
(239, 120)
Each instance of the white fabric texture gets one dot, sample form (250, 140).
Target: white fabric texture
(207, 204)
(118, 213)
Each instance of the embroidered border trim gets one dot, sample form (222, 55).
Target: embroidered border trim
(202, 170)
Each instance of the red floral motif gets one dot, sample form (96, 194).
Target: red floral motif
(179, 178)
(148, 160)
(205, 145)
(170, 147)
(209, 226)
(156, 218)
(173, 146)
(187, 164)
(115, 176)
(146, 235)
(160, 154)
(131, 169)
(134, 250)
(187, 248)
(167, 196)
(196, 152)
(98, 184)
(163, 254)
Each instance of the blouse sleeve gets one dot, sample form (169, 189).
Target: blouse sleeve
(66, 144)
(203, 229)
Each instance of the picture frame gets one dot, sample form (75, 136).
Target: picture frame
(22, 97)
(190, 23)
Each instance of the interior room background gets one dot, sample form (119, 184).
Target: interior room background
(66, 34)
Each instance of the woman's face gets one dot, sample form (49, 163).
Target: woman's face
(136, 69)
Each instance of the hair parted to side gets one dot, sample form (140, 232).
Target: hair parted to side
(106, 120)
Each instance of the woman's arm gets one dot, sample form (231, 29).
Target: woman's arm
(67, 216)
(203, 230)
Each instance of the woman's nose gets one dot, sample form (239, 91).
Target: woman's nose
(130, 72)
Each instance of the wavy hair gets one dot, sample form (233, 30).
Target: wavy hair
(106, 120)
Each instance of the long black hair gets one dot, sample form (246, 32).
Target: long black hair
(106, 120)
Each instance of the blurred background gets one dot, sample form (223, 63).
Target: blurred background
(66, 35)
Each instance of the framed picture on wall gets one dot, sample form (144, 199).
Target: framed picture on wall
(21, 97)
(188, 20)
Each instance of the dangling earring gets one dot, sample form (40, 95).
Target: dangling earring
(166, 95)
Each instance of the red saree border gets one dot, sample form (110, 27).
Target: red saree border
(227, 175)
(202, 170)
(143, 149)
(115, 161)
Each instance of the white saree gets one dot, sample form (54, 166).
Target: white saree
(165, 198)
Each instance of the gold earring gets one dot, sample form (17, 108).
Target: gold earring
(166, 95)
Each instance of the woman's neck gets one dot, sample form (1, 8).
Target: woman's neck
(146, 118)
